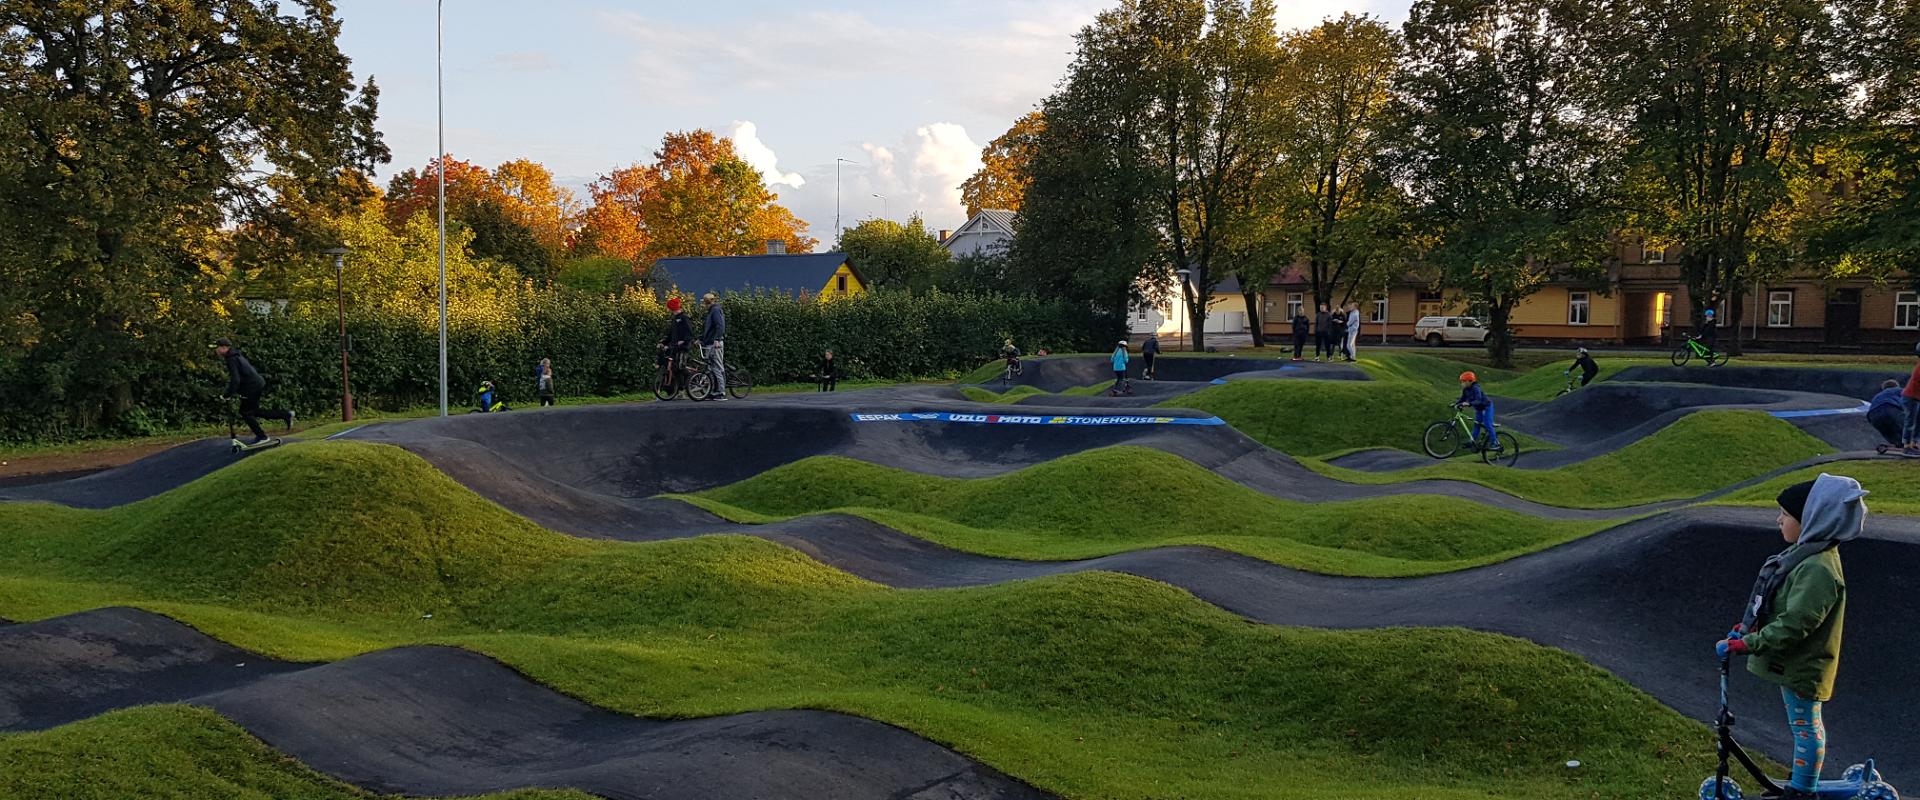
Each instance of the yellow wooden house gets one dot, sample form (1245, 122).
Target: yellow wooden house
(802, 276)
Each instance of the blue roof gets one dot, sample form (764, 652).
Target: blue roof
(785, 273)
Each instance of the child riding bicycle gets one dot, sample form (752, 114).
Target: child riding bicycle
(1471, 395)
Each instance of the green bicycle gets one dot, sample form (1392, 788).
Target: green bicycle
(1692, 348)
(1448, 436)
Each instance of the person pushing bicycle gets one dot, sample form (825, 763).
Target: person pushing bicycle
(1471, 395)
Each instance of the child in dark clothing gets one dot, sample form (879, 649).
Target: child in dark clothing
(1587, 368)
(1887, 413)
(1299, 334)
(829, 372)
(1472, 395)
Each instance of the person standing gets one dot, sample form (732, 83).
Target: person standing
(1337, 341)
(1322, 334)
(1148, 350)
(713, 342)
(1120, 385)
(1299, 333)
(244, 382)
(674, 345)
(1353, 331)
(1910, 398)
(545, 385)
(829, 372)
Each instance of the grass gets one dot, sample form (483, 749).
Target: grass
(1894, 485)
(1023, 391)
(1128, 498)
(1325, 418)
(166, 752)
(1697, 454)
(1094, 685)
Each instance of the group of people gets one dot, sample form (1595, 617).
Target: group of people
(1335, 333)
(1895, 411)
(713, 341)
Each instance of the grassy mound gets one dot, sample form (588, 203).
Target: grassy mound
(1023, 391)
(1093, 685)
(169, 752)
(1127, 498)
(1326, 418)
(1894, 485)
(1695, 455)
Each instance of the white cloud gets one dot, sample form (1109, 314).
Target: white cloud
(746, 142)
(920, 174)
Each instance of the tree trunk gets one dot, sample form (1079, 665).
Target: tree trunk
(1256, 321)
(1197, 322)
(1500, 334)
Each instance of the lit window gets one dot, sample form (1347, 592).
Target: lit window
(1780, 309)
(1296, 304)
(1577, 308)
(1906, 311)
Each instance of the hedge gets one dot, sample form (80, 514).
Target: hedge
(600, 346)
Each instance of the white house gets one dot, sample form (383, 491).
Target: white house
(1226, 311)
(990, 231)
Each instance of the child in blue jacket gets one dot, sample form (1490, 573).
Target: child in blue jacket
(1472, 395)
(1120, 363)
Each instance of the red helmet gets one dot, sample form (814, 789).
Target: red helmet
(673, 304)
(1468, 377)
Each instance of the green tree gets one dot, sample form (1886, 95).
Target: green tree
(1724, 99)
(1504, 150)
(134, 133)
(1001, 182)
(895, 256)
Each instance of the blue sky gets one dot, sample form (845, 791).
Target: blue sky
(911, 90)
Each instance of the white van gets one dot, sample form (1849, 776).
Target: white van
(1442, 331)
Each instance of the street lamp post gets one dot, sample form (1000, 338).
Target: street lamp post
(440, 108)
(340, 289)
(836, 196)
(1185, 309)
(883, 205)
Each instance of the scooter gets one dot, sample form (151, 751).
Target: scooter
(1859, 782)
(233, 437)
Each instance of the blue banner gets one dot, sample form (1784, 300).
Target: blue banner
(1821, 412)
(1032, 419)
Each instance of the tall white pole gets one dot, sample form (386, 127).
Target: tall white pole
(440, 103)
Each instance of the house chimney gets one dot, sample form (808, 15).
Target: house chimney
(776, 247)
(945, 234)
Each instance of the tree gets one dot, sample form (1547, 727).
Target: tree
(518, 216)
(1504, 149)
(701, 199)
(895, 256)
(134, 133)
(1001, 183)
(1722, 98)
(611, 225)
(1334, 92)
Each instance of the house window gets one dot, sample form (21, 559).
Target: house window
(1780, 309)
(1143, 312)
(1428, 304)
(1578, 306)
(1653, 255)
(1379, 310)
(840, 283)
(1296, 304)
(1906, 311)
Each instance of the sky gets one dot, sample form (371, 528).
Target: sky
(908, 91)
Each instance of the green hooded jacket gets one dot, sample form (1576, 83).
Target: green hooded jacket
(1797, 645)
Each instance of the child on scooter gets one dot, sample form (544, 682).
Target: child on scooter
(1791, 629)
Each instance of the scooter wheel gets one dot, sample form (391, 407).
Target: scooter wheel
(1713, 789)
(1877, 791)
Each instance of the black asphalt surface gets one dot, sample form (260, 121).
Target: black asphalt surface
(444, 721)
(139, 480)
(1059, 373)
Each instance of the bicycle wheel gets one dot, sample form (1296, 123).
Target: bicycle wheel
(739, 383)
(1441, 440)
(1716, 359)
(1564, 391)
(699, 386)
(663, 388)
(1508, 452)
(1681, 354)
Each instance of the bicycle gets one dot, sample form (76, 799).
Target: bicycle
(676, 377)
(1012, 371)
(1121, 388)
(1443, 439)
(1691, 348)
(739, 382)
(1573, 382)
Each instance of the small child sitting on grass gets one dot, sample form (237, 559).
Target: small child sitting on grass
(1791, 628)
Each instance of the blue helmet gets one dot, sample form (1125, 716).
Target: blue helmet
(1709, 313)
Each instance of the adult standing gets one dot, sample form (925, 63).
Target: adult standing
(1337, 342)
(713, 341)
(1353, 331)
(544, 386)
(1148, 350)
(1910, 397)
(244, 382)
(1322, 334)
(1299, 323)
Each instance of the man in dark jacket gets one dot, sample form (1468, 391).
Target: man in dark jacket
(1148, 350)
(713, 341)
(1337, 339)
(1322, 335)
(244, 382)
(1299, 333)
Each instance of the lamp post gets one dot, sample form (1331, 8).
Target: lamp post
(883, 205)
(340, 290)
(836, 197)
(1185, 309)
(440, 109)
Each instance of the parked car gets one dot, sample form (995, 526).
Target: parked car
(1442, 331)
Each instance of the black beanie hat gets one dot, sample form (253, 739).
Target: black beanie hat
(1793, 499)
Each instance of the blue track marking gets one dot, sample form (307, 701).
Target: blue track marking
(1820, 412)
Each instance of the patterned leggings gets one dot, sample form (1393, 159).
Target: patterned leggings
(1809, 739)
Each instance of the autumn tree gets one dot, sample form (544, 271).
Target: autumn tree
(701, 199)
(135, 134)
(1503, 149)
(1001, 182)
(1724, 99)
(517, 214)
(895, 256)
(611, 224)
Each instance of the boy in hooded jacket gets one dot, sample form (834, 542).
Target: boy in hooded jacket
(1473, 396)
(1791, 629)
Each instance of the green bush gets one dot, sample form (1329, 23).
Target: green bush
(601, 345)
